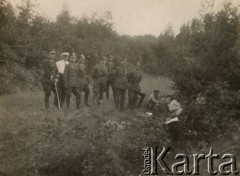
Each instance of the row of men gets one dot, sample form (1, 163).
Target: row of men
(69, 76)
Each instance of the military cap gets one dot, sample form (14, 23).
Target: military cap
(82, 56)
(104, 58)
(65, 54)
(124, 59)
(52, 52)
(74, 55)
(110, 57)
(138, 64)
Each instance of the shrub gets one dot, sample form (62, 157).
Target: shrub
(15, 78)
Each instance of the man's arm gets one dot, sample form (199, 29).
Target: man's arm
(93, 72)
(65, 76)
(152, 98)
(130, 77)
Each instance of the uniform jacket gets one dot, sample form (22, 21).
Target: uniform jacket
(61, 66)
(121, 80)
(99, 73)
(50, 71)
(111, 69)
(134, 79)
(175, 107)
(83, 78)
(70, 76)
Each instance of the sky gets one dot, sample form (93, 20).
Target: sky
(130, 17)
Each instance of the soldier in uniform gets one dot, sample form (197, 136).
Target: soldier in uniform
(153, 100)
(83, 79)
(110, 76)
(121, 84)
(71, 81)
(50, 78)
(61, 68)
(99, 75)
(134, 90)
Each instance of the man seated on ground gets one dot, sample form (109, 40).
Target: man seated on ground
(173, 126)
(161, 108)
(174, 106)
(153, 100)
(134, 90)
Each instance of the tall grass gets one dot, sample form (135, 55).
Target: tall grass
(31, 138)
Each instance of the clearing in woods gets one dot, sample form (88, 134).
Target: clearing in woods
(33, 141)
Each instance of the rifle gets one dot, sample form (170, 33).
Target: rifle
(55, 86)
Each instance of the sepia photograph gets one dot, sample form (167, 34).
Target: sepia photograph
(119, 87)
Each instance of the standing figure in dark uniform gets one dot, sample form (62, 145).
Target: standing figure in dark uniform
(121, 84)
(71, 81)
(110, 77)
(99, 75)
(83, 79)
(134, 90)
(61, 67)
(50, 77)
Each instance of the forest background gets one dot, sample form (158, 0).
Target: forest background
(202, 59)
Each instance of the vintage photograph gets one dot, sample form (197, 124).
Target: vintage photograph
(119, 87)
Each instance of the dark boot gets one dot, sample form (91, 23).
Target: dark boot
(46, 102)
(86, 99)
(107, 90)
(142, 96)
(122, 99)
(68, 101)
(78, 100)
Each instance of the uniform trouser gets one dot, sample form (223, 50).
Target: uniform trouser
(75, 91)
(110, 83)
(61, 90)
(48, 88)
(133, 97)
(120, 98)
(101, 90)
(174, 131)
(85, 88)
(151, 105)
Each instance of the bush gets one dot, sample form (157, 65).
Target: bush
(15, 78)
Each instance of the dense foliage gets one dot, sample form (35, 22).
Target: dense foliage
(202, 60)
(26, 37)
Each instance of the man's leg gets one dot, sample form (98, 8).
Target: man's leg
(122, 101)
(86, 91)
(68, 92)
(47, 90)
(142, 96)
(56, 97)
(76, 92)
(96, 89)
(107, 89)
(117, 96)
(62, 90)
(63, 96)
(155, 110)
(130, 99)
(102, 89)
(135, 98)
(113, 89)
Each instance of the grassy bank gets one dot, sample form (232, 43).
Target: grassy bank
(66, 142)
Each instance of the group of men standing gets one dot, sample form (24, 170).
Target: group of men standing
(68, 76)
(63, 78)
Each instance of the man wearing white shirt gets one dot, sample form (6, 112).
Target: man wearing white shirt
(153, 100)
(174, 106)
(174, 126)
(61, 67)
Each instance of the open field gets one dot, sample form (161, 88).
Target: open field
(35, 142)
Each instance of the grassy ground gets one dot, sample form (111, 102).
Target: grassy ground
(35, 142)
